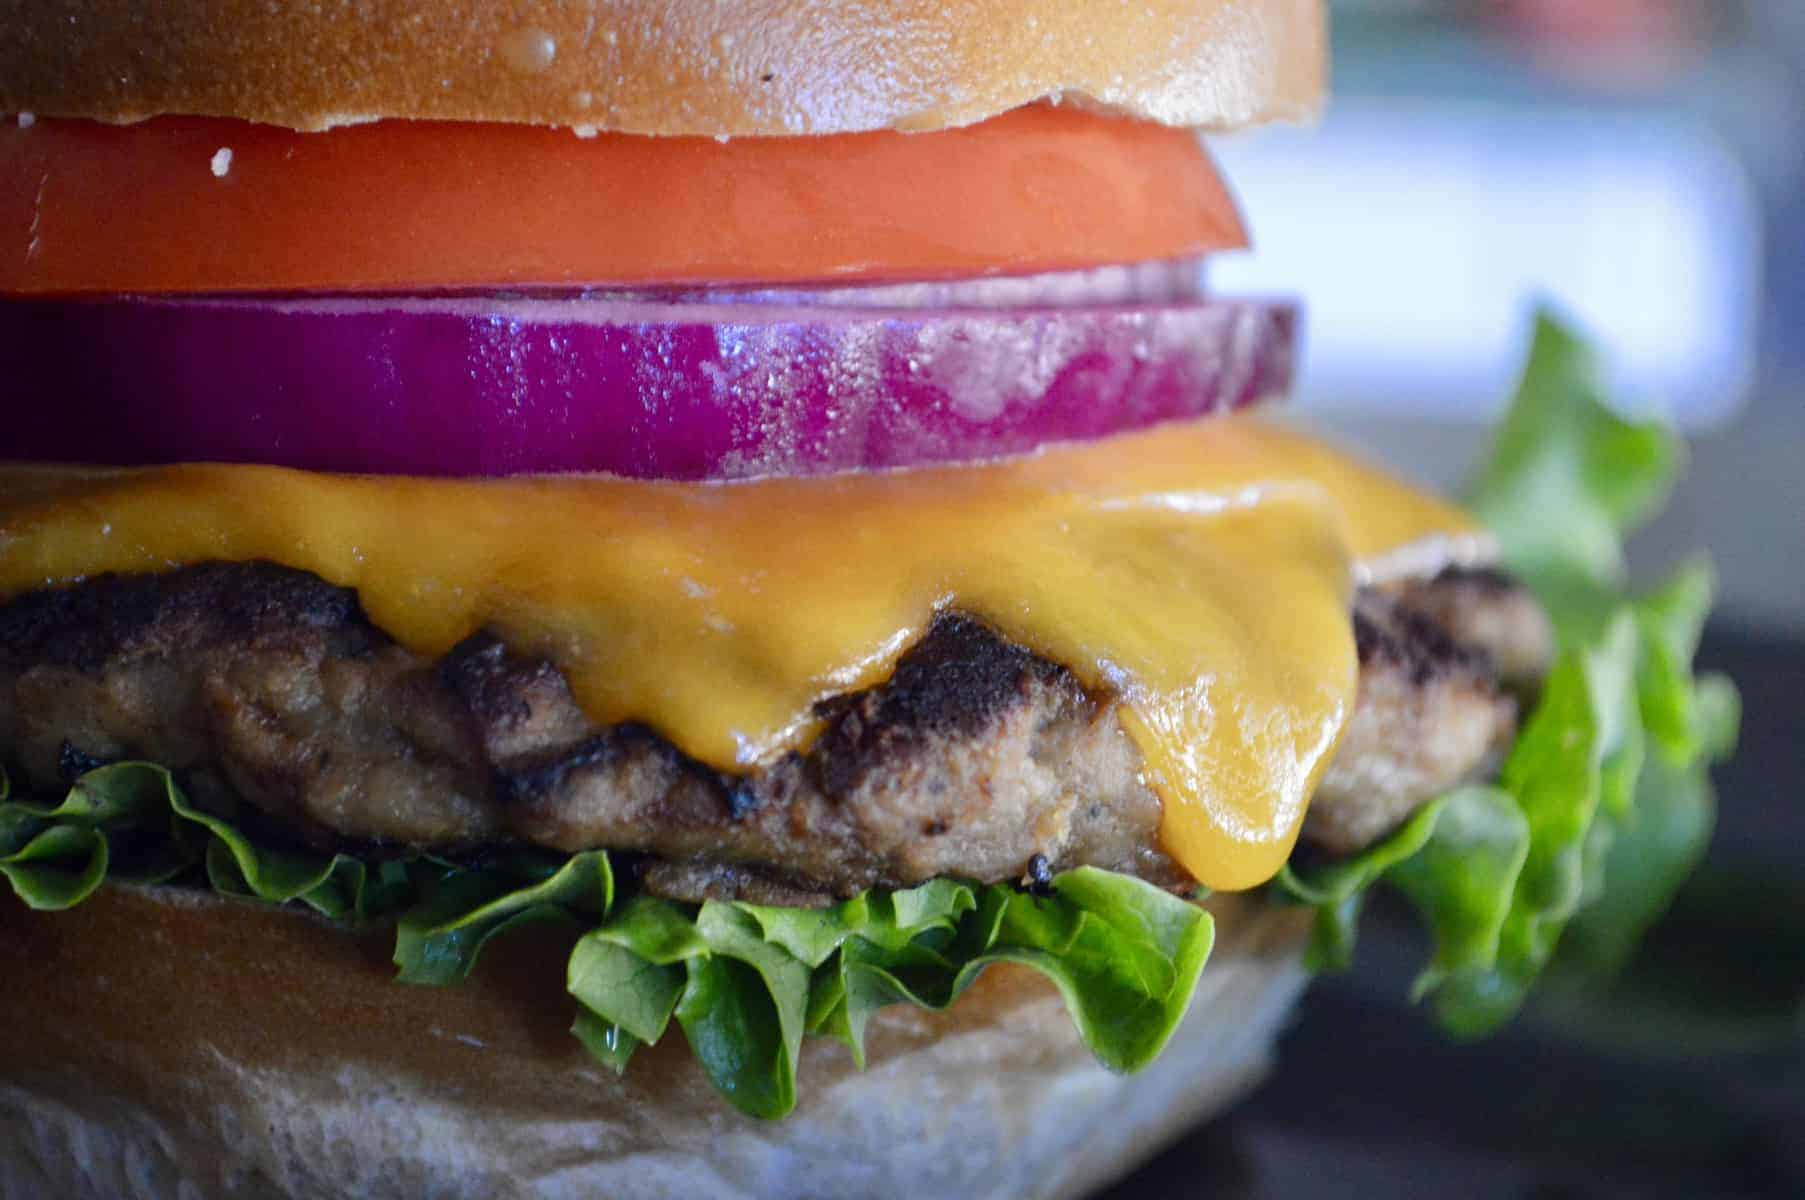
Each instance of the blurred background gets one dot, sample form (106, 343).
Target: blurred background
(1640, 164)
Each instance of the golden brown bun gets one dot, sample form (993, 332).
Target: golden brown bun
(163, 1043)
(707, 67)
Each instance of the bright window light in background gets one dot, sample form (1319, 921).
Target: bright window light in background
(1419, 235)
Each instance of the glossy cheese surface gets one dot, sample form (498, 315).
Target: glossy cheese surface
(1201, 573)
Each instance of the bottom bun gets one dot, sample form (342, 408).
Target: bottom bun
(164, 1043)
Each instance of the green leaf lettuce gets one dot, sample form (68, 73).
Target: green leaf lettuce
(745, 983)
(1603, 804)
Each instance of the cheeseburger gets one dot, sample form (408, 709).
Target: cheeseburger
(649, 598)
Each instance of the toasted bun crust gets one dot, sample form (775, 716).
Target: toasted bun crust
(163, 1044)
(707, 67)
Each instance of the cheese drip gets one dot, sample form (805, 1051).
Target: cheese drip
(1201, 573)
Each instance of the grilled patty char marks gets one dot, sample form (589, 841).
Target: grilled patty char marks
(1428, 716)
(974, 759)
(1484, 607)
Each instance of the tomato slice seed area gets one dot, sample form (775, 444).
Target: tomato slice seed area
(408, 206)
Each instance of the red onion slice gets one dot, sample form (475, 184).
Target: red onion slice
(1158, 281)
(645, 388)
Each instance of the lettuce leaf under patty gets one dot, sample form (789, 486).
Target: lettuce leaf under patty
(1603, 805)
(744, 982)
(1601, 809)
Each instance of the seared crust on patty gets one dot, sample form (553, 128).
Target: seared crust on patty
(1428, 716)
(1482, 606)
(975, 759)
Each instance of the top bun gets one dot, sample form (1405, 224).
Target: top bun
(720, 68)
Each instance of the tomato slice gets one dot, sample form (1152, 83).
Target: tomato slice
(406, 205)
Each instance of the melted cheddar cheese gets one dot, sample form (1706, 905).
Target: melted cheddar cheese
(1201, 573)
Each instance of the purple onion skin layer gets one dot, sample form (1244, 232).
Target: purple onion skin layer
(631, 387)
